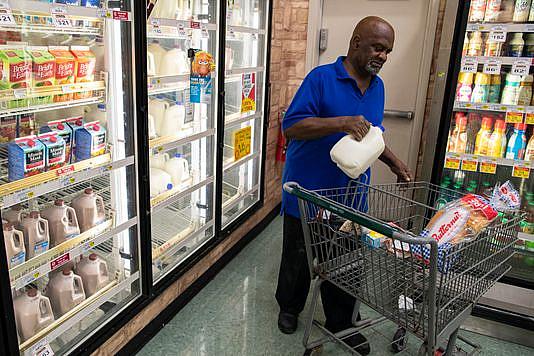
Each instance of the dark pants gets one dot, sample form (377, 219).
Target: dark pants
(294, 282)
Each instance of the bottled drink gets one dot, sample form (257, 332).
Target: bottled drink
(475, 44)
(477, 10)
(480, 92)
(510, 93)
(517, 143)
(493, 8)
(492, 48)
(465, 48)
(531, 14)
(464, 87)
(529, 152)
(521, 10)
(525, 90)
(495, 145)
(483, 137)
(459, 135)
(516, 45)
(473, 126)
(529, 44)
(494, 94)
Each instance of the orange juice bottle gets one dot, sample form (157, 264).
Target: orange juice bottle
(483, 137)
(495, 144)
(459, 135)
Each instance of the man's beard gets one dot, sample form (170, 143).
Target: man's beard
(373, 67)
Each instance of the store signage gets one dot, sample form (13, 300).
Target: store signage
(121, 15)
(529, 116)
(513, 117)
(248, 92)
(452, 162)
(470, 164)
(497, 36)
(520, 67)
(6, 17)
(65, 170)
(182, 31)
(60, 261)
(200, 81)
(242, 142)
(521, 170)
(492, 66)
(488, 165)
(469, 65)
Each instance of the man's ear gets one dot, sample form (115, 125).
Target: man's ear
(355, 41)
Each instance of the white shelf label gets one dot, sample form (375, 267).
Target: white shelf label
(62, 21)
(492, 66)
(204, 33)
(6, 18)
(497, 36)
(20, 93)
(42, 349)
(182, 32)
(469, 64)
(520, 67)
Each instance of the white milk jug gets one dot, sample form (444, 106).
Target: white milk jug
(174, 120)
(354, 157)
(36, 234)
(62, 222)
(174, 62)
(150, 63)
(65, 291)
(33, 312)
(151, 127)
(14, 243)
(157, 108)
(13, 215)
(158, 161)
(90, 209)
(160, 181)
(94, 273)
(159, 52)
(178, 168)
(168, 9)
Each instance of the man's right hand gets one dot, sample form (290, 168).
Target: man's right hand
(356, 126)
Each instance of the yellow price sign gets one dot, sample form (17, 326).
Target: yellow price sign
(513, 117)
(529, 118)
(489, 167)
(469, 165)
(242, 142)
(521, 171)
(452, 163)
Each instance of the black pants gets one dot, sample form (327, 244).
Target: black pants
(294, 282)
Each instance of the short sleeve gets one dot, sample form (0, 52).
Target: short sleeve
(305, 104)
(381, 102)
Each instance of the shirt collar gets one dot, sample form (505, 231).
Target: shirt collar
(342, 73)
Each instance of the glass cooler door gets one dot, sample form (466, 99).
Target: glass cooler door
(182, 48)
(246, 40)
(68, 178)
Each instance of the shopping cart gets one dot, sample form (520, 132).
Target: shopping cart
(430, 296)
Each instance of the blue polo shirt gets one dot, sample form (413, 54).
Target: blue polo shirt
(327, 91)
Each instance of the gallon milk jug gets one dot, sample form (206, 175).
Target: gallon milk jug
(65, 291)
(150, 63)
(158, 52)
(174, 120)
(168, 9)
(36, 234)
(354, 157)
(151, 127)
(160, 181)
(33, 312)
(14, 243)
(178, 168)
(158, 161)
(94, 273)
(62, 222)
(157, 108)
(175, 62)
(90, 209)
(13, 215)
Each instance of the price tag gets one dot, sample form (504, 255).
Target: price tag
(88, 246)
(20, 93)
(470, 164)
(231, 35)
(520, 67)
(42, 349)
(204, 33)
(182, 32)
(513, 117)
(521, 171)
(194, 25)
(242, 142)
(30, 278)
(61, 20)
(121, 15)
(67, 88)
(60, 261)
(452, 163)
(529, 118)
(497, 36)
(492, 66)
(488, 166)
(64, 170)
(6, 17)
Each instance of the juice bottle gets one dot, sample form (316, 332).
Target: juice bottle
(480, 92)
(521, 10)
(477, 10)
(494, 94)
(529, 45)
(495, 144)
(475, 44)
(464, 87)
(529, 152)
(492, 48)
(525, 90)
(459, 135)
(531, 14)
(466, 44)
(517, 143)
(493, 8)
(510, 93)
(516, 45)
(483, 136)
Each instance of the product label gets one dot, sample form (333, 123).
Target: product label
(469, 65)
(40, 247)
(520, 67)
(99, 144)
(56, 154)
(18, 72)
(65, 70)
(452, 163)
(514, 117)
(60, 261)
(18, 259)
(34, 159)
(477, 204)
(448, 225)
(492, 66)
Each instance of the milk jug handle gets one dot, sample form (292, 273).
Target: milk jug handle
(104, 268)
(186, 165)
(20, 235)
(78, 285)
(42, 224)
(100, 204)
(71, 215)
(45, 308)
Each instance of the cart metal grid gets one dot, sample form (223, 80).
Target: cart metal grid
(430, 298)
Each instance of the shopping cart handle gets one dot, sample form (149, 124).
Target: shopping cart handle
(290, 186)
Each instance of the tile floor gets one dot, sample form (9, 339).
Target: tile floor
(236, 314)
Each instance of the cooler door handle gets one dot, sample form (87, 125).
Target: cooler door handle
(399, 113)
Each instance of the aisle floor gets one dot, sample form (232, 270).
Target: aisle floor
(236, 314)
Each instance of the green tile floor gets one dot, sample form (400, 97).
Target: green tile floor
(235, 314)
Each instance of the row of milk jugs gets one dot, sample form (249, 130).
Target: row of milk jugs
(165, 118)
(65, 290)
(167, 172)
(26, 236)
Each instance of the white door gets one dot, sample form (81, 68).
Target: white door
(406, 72)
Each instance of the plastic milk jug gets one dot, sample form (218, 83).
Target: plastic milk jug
(90, 209)
(150, 63)
(36, 234)
(160, 181)
(94, 273)
(157, 108)
(14, 243)
(152, 127)
(158, 52)
(13, 215)
(174, 120)
(158, 161)
(62, 222)
(33, 312)
(354, 157)
(65, 291)
(178, 168)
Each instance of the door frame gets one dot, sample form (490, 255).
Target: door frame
(315, 19)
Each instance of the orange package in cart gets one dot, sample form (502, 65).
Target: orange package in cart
(86, 63)
(65, 69)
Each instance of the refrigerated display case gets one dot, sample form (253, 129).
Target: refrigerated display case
(483, 117)
(68, 172)
(244, 107)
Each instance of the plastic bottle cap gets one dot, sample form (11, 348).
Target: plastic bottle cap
(487, 121)
(500, 124)
(8, 226)
(88, 191)
(53, 139)
(96, 127)
(93, 257)
(59, 202)
(32, 292)
(520, 126)
(35, 215)
(31, 143)
(178, 155)
(60, 126)
(461, 120)
(67, 271)
(101, 106)
(169, 186)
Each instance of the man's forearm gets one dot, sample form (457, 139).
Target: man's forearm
(315, 127)
(389, 158)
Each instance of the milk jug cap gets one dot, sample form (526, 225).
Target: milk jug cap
(521, 126)
(67, 272)
(487, 121)
(35, 215)
(88, 191)
(178, 103)
(178, 155)
(96, 127)
(101, 107)
(17, 207)
(169, 186)
(8, 226)
(32, 293)
(31, 143)
(53, 139)
(93, 257)
(60, 126)
(159, 96)
(59, 202)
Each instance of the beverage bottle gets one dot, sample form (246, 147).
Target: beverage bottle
(475, 44)
(466, 45)
(525, 90)
(517, 143)
(480, 92)
(473, 126)
(494, 94)
(507, 11)
(529, 44)
(477, 10)
(531, 13)
(495, 145)
(492, 48)
(459, 135)
(521, 10)
(464, 87)
(483, 136)
(529, 152)
(510, 93)
(516, 45)
(493, 8)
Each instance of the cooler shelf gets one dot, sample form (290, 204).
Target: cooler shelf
(245, 29)
(166, 143)
(498, 161)
(230, 163)
(238, 118)
(54, 106)
(171, 196)
(503, 60)
(501, 27)
(175, 29)
(236, 72)
(467, 106)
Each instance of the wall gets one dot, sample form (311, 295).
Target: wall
(288, 55)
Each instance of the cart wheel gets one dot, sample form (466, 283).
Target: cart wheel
(400, 340)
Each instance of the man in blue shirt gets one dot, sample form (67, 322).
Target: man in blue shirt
(344, 97)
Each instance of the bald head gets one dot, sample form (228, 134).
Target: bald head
(371, 42)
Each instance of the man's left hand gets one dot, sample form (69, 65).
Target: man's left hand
(403, 173)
